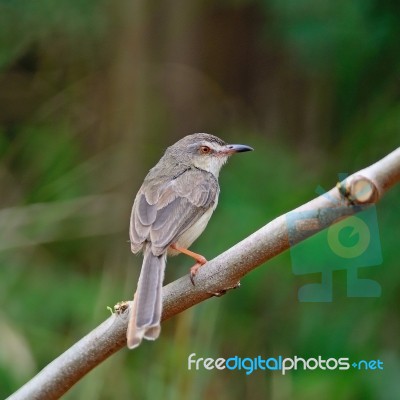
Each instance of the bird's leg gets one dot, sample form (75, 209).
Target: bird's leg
(200, 260)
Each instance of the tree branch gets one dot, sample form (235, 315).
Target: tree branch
(354, 194)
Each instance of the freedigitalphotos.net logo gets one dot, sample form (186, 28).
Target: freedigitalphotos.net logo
(349, 245)
(280, 363)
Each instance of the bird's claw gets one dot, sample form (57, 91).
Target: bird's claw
(192, 275)
(195, 268)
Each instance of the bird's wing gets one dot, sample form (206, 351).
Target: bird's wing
(162, 213)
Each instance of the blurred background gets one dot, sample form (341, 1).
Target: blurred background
(92, 92)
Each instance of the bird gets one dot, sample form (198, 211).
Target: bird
(170, 211)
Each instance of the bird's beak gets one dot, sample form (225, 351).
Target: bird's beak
(237, 148)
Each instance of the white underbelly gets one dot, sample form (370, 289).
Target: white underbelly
(191, 234)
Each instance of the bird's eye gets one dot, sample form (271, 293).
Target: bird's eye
(205, 150)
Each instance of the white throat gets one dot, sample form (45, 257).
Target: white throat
(212, 164)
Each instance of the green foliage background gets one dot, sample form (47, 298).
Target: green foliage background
(92, 92)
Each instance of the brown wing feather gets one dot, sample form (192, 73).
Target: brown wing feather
(163, 213)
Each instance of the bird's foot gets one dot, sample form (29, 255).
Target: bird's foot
(200, 260)
(193, 271)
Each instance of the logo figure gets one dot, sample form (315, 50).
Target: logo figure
(349, 244)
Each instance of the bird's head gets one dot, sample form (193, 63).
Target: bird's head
(205, 151)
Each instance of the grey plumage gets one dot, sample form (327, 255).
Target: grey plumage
(173, 206)
(146, 322)
(163, 210)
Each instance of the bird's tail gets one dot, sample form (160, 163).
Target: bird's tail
(146, 311)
